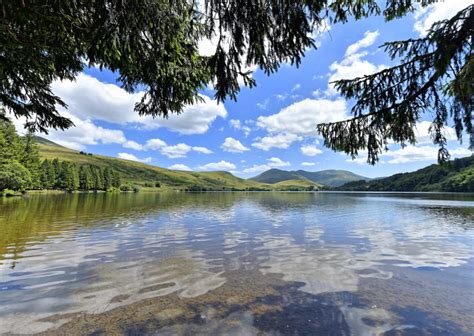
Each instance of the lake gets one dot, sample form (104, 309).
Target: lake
(237, 264)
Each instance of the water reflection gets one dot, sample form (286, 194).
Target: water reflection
(231, 263)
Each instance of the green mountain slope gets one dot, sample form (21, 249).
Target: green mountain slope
(141, 173)
(457, 176)
(332, 178)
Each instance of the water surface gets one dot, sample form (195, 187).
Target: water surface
(237, 263)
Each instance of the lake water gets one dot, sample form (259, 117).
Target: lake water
(237, 264)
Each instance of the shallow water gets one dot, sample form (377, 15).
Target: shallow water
(237, 263)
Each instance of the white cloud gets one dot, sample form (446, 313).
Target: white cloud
(256, 169)
(131, 157)
(221, 165)
(423, 136)
(296, 87)
(310, 150)
(282, 140)
(233, 146)
(264, 104)
(301, 118)
(177, 151)
(281, 96)
(202, 150)
(353, 65)
(154, 144)
(360, 160)
(88, 98)
(273, 162)
(426, 16)
(277, 162)
(85, 133)
(367, 41)
(411, 154)
(132, 145)
(195, 119)
(421, 153)
(172, 151)
(237, 124)
(179, 166)
(308, 164)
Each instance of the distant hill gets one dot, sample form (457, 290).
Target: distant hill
(331, 178)
(43, 141)
(141, 173)
(458, 175)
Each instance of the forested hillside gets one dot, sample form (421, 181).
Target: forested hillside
(456, 175)
(22, 168)
(330, 177)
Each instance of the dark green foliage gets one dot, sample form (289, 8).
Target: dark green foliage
(129, 187)
(20, 167)
(436, 75)
(107, 173)
(47, 175)
(153, 44)
(85, 178)
(10, 143)
(29, 158)
(57, 171)
(13, 175)
(68, 178)
(116, 181)
(457, 175)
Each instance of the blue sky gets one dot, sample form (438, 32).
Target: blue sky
(272, 125)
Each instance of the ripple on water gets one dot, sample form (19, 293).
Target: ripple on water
(306, 254)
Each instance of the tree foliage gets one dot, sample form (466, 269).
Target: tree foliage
(458, 175)
(436, 75)
(153, 44)
(21, 168)
(14, 176)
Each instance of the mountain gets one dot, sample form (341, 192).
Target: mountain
(457, 175)
(331, 178)
(140, 173)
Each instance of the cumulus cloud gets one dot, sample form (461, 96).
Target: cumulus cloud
(237, 124)
(202, 150)
(411, 154)
(233, 146)
(277, 162)
(131, 157)
(282, 140)
(426, 16)
(179, 166)
(132, 145)
(172, 151)
(301, 118)
(308, 164)
(85, 133)
(154, 144)
(273, 162)
(90, 99)
(177, 151)
(421, 153)
(310, 150)
(221, 165)
(367, 41)
(353, 64)
(423, 136)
